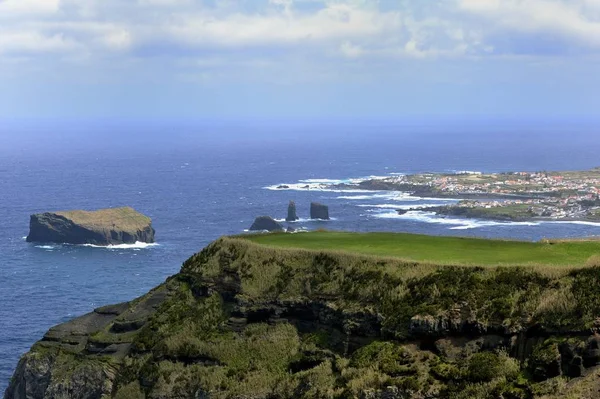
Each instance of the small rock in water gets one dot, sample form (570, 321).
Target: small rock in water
(267, 223)
(291, 215)
(319, 211)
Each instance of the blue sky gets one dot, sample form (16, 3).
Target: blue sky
(299, 59)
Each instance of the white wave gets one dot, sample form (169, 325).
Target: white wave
(304, 220)
(399, 206)
(457, 223)
(301, 220)
(45, 246)
(323, 181)
(137, 245)
(323, 184)
(313, 187)
(386, 195)
(24, 238)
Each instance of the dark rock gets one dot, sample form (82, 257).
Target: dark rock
(591, 355)
(290, 229)
(101, 227)
(63, 365)
(267, 223)
(575, 367)
(283, 187)
(319, 211)
(291, 215)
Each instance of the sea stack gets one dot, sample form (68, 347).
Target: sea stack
(267, 223)
(102, 227)
(319, 211)
(291, 215)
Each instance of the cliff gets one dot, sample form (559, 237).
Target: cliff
(242, 320)
(101, 227)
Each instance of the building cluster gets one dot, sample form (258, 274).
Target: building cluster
(573, 195)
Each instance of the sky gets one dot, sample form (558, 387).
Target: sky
(304, 59)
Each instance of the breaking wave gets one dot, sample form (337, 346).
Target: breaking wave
(326, 185)
(456, 223)
(48, 247)
(301, 220)
(137, 245)
(377, 207)
(384, 195)
(314, 187)
(466, 224)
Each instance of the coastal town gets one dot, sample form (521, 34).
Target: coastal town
(573, 195)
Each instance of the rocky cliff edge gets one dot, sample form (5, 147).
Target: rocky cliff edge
(245, 321)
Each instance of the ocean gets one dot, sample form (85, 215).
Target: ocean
(202, 180)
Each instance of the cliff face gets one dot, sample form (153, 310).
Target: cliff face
(246, 321)
(102, 227)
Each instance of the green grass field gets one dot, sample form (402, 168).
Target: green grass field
(442, 250)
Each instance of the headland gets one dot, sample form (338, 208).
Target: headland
(340, 315)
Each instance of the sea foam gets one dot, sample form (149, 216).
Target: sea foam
(137, 245)
(49, 247)
(377, 207)
(456, 223)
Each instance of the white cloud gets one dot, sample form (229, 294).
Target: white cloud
(334, 22)
(20, 43)
(119, 39)
(11, 8)
(351, 50)
(351, 29)
(574, 22)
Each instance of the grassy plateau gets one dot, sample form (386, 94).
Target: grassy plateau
(442, 250)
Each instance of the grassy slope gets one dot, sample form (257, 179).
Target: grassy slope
(441, 250)
(187, 347)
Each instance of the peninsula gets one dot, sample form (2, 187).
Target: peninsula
(340, 315)
(571, 195)
(102, 227)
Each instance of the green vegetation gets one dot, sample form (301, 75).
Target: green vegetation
(440, 250)
(505, 212)
(125, 218)
(257, 317)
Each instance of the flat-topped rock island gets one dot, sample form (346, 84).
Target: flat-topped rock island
(111, 226)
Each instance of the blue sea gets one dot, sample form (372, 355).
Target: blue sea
(202, 180)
